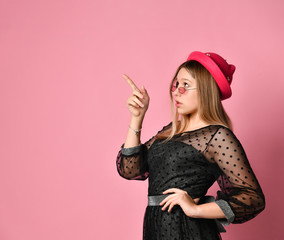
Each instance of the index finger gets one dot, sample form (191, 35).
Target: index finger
(131, 83)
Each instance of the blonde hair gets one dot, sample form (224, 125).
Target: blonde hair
(210, 107)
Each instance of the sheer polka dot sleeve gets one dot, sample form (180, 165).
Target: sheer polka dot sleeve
(132, 163)
(241, 197)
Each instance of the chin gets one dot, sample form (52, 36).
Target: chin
(182, 112)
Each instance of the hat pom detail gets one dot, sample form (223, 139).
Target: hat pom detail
(232, 70)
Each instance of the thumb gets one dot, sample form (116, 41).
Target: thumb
(143, 88)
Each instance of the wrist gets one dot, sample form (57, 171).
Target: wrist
(196, 213)
(137, 119)
(193, 211)
(136, 122)
(135, 130)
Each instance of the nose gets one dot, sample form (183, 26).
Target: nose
(176, 92)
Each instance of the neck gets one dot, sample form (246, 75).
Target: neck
(194, 121)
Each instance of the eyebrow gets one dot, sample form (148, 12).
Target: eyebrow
(184, 79)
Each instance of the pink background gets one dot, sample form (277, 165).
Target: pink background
(64, 115)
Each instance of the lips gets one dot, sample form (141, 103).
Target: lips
(177, 103)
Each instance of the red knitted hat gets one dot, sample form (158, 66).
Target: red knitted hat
(221, 71)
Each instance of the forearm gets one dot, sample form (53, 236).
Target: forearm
(209, 210)
(132, 139)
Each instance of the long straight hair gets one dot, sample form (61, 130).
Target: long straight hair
(210, 107)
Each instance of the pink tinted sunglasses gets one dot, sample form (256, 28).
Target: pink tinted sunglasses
(180, 89)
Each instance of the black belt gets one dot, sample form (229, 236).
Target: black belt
(155, 200)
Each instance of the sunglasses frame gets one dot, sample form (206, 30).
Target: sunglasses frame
(181, 90)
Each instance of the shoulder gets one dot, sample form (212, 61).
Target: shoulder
(166, 126)
(221, 129)
(224, 133)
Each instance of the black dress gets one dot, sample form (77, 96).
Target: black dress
(193, 161)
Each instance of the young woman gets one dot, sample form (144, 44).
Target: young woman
(185, 158)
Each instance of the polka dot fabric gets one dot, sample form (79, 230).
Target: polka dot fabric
(193, 161)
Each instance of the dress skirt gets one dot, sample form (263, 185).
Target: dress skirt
(175, 225)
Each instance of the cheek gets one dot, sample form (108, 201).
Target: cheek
(191, 99)
(190, 95)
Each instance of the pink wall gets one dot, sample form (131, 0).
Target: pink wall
(64, 115)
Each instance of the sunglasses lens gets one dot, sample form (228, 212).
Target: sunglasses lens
(174, 86)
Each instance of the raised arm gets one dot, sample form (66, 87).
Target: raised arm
(129, 160)
(241, 197)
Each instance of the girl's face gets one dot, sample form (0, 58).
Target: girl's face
(188, 101)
